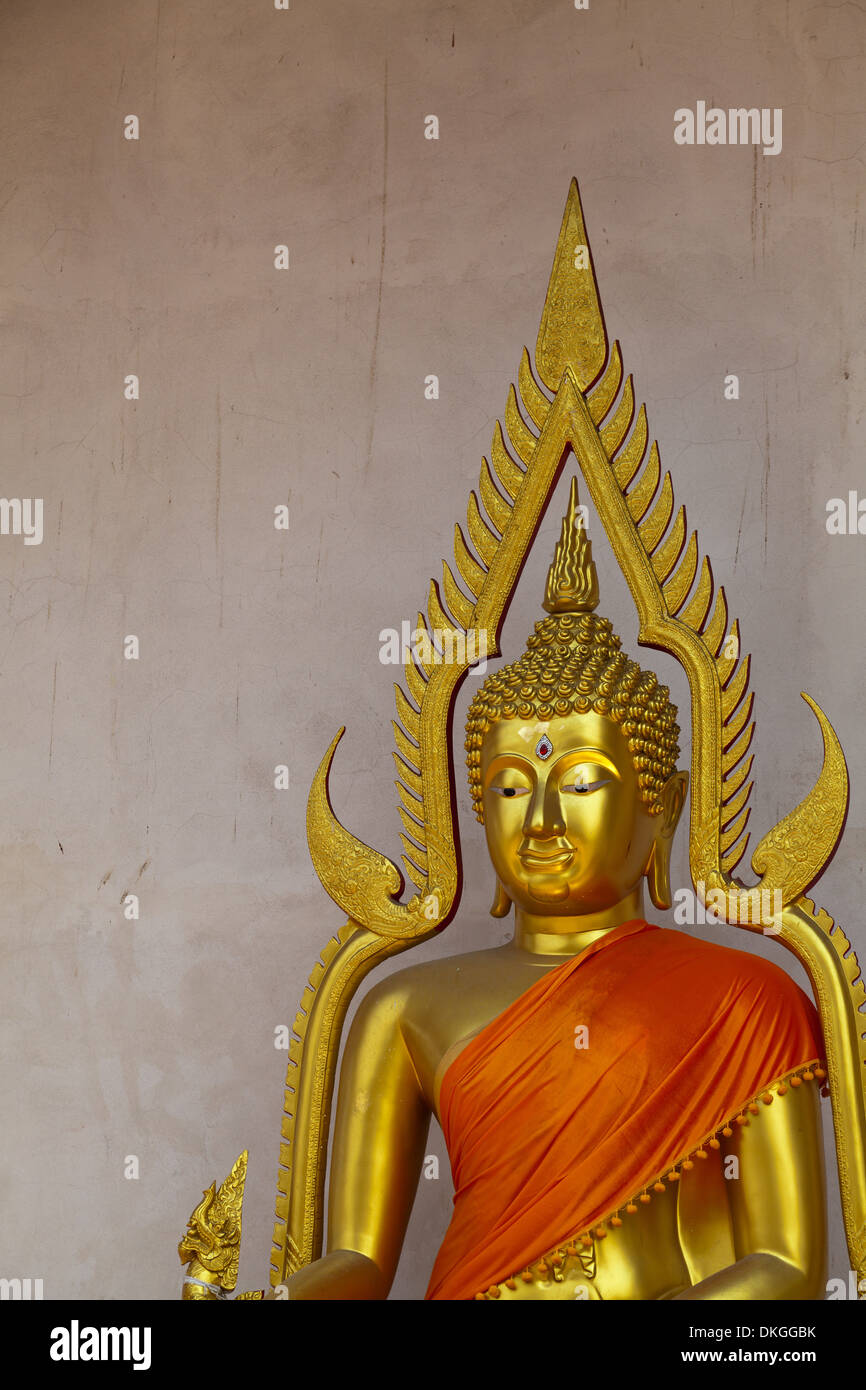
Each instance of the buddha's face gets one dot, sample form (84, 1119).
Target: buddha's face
(566, 830)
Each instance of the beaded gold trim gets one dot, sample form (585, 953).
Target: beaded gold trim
(551, 1265)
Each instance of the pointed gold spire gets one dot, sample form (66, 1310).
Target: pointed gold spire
(572, 332)
(572, 581)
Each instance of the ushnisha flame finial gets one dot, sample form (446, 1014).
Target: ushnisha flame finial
(572, 581)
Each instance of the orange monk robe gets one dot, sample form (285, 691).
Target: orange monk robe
(547, 1138)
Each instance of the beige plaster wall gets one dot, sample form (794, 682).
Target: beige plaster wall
(408, 256)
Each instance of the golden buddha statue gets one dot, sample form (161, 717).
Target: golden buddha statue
(630, 1113)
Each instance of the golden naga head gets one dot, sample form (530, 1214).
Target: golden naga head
(572, 755)
(213, 1235)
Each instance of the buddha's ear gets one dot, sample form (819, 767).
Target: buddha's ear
(501, 902)
(673, 799)
(658, 867)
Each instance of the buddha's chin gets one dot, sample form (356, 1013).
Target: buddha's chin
(548, 892)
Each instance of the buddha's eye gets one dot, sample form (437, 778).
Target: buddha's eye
(510, 781)
(584, 780)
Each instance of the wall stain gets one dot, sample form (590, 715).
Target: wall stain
(382, 246)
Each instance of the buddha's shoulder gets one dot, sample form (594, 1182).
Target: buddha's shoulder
(726, 966)
(424, 982)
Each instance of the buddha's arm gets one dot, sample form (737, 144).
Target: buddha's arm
(777, 1204)
(379, 1139)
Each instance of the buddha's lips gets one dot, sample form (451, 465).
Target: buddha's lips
(533, 860)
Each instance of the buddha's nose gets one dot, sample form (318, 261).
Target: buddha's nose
(544, 819)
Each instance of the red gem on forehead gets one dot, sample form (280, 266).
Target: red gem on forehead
(543, 747)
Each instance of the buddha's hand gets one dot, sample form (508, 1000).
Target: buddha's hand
(212, 1244)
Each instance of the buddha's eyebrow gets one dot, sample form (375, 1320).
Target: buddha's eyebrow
(507, 759)
(585, 755)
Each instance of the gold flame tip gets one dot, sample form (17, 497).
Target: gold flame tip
(572, 334)
(572, 580)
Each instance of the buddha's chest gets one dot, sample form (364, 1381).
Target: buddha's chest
(466, 1000)
(669, 1242)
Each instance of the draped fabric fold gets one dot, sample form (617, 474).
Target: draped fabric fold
(611, 1068)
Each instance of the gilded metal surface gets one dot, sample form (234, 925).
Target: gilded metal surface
(572, 334)
(211, 1247)
(749, 1243)
(572, 584)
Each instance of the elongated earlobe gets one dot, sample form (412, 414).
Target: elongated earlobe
(658, 875)
(658, 869)
(501, 902)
